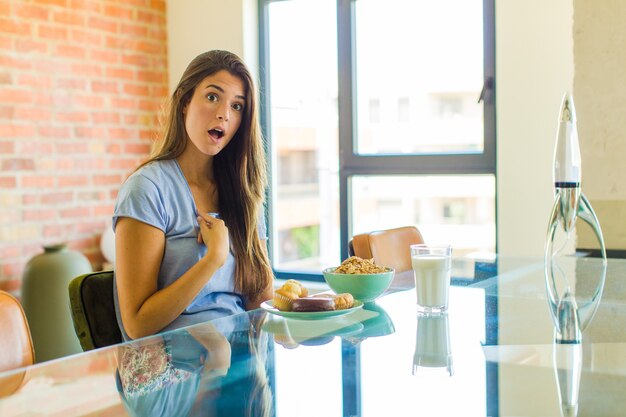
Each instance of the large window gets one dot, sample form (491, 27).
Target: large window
(379, 113)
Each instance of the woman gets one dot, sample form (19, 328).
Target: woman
(189, 229)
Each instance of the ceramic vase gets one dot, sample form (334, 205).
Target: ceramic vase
(45, 298)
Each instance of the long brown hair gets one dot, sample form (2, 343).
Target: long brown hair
(239, 169)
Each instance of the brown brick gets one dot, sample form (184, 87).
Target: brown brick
(34, 81)
(56, 230)
(152, 76)
(121, 73)
(72, 117)
(10, 251)
(137, 148)
(62, 132)
(32, 113)
(107, 25)
(150, 17)
(55, 198)
(90, 132)
(7, 112)
(52, 32)
(106, 179)
(105, 55)
(72, 83)
(87, 70)
(38, 215)
(158, 5)
(117, 12)
(150, 105)
(85, 36)
(10, 62)
(105, 210)
(125, 164)
(75, 212)
(5, 9)
(30, 12)
(95, 227)
(30, 199)
(105, 118)
(16, 131)
(71, 51)
(30, 45)
(71, 148)
(138, 60)
(11, 285)
(104, 87)
(61, 3)
(18, 164)
(69, 18)
(90, 101)
(122, 133)
(136, 90)
(7, 147)
(124, 103)
(8, 182)
(86, 5)
(35, 147)
(37, 181)
(73, 181)
(140, 31)
(89, 196)
(16, 28)
(15, 96)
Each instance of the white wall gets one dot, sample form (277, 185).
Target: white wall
(534, 67)
(196, 26)
(600, 88)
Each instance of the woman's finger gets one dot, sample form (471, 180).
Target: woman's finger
(205, 221)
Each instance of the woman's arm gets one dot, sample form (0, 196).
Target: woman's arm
(139, 250)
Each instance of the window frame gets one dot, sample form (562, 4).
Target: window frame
(352, 164)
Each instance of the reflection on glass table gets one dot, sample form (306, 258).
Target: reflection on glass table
(432, 344)
(508, 358)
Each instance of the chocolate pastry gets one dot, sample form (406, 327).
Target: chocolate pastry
(313, 304)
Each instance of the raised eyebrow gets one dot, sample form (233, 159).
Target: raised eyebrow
(217, 87)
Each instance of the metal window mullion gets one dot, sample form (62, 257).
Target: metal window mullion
(346, 78)
(422, 164)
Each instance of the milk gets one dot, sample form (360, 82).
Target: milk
(432, 279)
(432, 344)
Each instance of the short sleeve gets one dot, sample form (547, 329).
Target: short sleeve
(140, 199)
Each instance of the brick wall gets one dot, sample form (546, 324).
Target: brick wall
(81, 86)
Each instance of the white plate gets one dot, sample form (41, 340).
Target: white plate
(309, 315)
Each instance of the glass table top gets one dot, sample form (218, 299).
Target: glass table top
(499, 351)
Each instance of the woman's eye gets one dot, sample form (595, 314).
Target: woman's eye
(211, 97)
(238, 107)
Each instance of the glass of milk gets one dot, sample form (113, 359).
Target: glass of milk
(431, 268)
(432, 345)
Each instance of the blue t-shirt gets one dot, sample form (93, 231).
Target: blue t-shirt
(158, 194)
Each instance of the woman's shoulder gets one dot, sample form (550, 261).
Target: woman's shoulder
(157, 170)
(157, 174)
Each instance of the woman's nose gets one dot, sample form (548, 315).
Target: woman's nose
(223, 113)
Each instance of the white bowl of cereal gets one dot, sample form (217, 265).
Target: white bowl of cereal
(362, 278)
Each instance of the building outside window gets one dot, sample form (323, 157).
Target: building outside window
(371, 129)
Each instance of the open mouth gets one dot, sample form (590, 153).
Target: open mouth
(216, 133)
